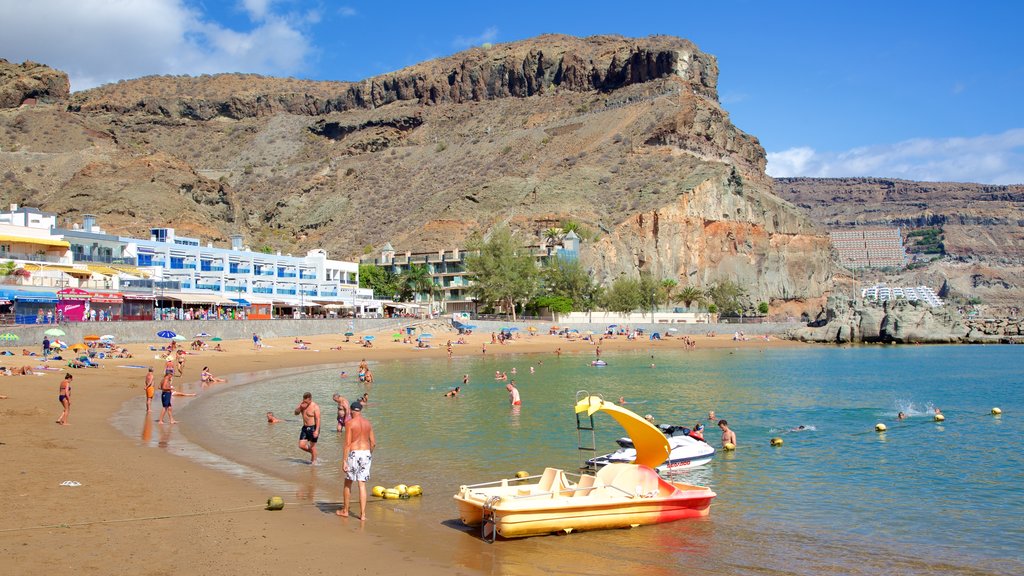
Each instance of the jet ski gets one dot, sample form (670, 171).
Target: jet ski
(686, 451)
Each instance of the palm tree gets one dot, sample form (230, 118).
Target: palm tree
(552, 236)
(690, 294)
(417, 279)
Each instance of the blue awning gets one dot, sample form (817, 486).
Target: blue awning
(29, 296)
(242, 301)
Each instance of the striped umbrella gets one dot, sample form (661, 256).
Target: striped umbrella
(9, 337)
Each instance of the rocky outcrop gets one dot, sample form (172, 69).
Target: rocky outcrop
(515, 70)
(720, 230)
(900, 322)
(29, 81)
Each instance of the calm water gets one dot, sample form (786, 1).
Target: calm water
(837, 498)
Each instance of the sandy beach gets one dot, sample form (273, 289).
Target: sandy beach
(143, 510)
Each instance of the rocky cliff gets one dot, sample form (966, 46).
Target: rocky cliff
(625, 137)
(845, 321)
(31, 82)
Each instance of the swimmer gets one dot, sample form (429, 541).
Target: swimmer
(711, 415)
(344, 374)
(901, 416)
(343, 411)
(799, 428)
(728, 436)
(465, 379)
(453, 392)
(531, 369)
(271, 419)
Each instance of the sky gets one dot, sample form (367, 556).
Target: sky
(899, 89)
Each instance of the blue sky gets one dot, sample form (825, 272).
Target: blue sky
(920, 90)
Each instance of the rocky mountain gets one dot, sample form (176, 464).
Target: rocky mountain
(981, 227)
(623, 136)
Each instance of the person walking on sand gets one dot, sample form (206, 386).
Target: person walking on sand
(257, 344)
(310, 432)
(150, 389)
(166, 391)
(356, 458)
(46, 347)
(728, 436)
(65, 399)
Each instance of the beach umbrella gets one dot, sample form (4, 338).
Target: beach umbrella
(350, 334)
(79, 347)
(179, 338)
(532, 328)
(673, 329)
(91, 337)
(470, 327)
(9, 337)
(368, 337)
(108, 337)
(166, 334)
(202, 335)
(54, 332)
(216, 339)
(513, 329)
(426, 335)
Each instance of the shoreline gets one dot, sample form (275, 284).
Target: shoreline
(188, 514)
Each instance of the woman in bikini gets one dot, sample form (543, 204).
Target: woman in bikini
(65, 399)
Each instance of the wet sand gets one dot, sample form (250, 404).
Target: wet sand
(145, 510)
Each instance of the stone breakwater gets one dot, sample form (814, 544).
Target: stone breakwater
(901, 322)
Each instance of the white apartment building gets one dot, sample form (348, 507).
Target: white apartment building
(881, 293)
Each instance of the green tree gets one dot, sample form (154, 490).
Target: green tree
(690, 294)
(382, 280)
(729, 296)
(552, 236)
(667, 292)
(624, 295)
(503, 271)
(417, 280)
(569, 280)
(762, 308)
(557, 304)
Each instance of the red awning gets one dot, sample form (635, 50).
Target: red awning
(73, 294)
(107, 297)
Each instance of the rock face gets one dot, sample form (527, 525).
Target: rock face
(521, 69)
(981, 226)
(624, 137)
(31, 81)
(846, 322)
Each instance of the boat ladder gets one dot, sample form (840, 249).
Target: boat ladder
(586, 445)
(489, 526)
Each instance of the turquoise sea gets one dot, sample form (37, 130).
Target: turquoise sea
(837, 498)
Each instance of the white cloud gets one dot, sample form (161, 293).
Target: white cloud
(989, 159)
(100, 41)
(487, 35)
(347, 11)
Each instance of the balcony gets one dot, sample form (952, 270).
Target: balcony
(262, 290)
(105, 259)
(210, 268)
(286, 291)
(326, 293)
(286, 275)
(215, 287)
(309, 292)
(234, 288)
(307, 275)
(239, 270)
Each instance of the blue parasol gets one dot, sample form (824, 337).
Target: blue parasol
(368, 337)
(166, 334)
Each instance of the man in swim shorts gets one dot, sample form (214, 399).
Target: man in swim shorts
(150, 388)
(356, 458)
(342, 411)
(166, 390)
(513, 393)
(310, 432)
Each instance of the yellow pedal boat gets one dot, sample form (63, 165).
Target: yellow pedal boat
(617, 496)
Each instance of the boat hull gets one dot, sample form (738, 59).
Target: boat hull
(530, 510)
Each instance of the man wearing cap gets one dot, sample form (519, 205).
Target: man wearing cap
(356, 458)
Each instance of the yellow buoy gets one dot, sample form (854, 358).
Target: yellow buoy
(728, 446)
(776, 442)
(275, 503)
(378, 491)
(401, 488)
(996, 411)
(415, 490)
(939, 417)
(880, 427)
(522, 474)
(391, 494)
